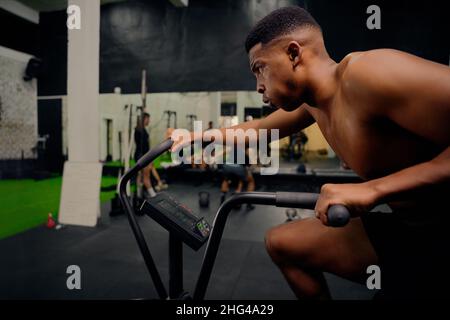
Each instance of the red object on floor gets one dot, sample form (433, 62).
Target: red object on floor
(50, 222)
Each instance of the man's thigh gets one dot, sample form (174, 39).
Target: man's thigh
(346, 251)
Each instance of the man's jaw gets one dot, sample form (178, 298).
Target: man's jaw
(269, 103)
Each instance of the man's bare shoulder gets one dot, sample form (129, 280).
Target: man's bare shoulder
(383, 73)
(394, 83)
(363, 65)
(383, 64)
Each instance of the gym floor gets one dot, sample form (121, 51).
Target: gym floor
(33, 263)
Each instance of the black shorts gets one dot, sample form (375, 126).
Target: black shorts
(231, 171)
(413, 251)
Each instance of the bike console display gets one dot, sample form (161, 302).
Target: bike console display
(177, 219)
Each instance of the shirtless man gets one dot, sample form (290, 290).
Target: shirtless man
(386, 114)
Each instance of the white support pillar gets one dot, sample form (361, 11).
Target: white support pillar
(83, 84)
(80, 194)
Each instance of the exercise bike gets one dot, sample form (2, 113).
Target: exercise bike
(185, 227)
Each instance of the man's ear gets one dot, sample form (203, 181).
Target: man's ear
(294, 50)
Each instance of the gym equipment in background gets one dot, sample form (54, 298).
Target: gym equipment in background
(39, 151)
(109, 139)
(203, 199)
(169, 118)
(184, 226)
(291, 214)
(191, 119)
(33, 69)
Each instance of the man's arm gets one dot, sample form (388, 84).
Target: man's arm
(287, 122)
(411, 181)
(420, 92)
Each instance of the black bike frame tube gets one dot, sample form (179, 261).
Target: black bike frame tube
(175, 266)
(142, 163)
(212, 247)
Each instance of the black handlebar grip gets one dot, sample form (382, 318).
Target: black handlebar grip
(338, 215)
(304, 200)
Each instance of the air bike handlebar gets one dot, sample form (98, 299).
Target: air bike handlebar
(140, 164)
(338, 216)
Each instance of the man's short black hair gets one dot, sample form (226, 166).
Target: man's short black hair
(278, 23)
(146, 115)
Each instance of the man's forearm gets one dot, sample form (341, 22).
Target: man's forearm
(405, 184)
(210, 135)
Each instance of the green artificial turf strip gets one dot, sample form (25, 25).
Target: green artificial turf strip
(165, 157)
(117, 163)
(26, 203)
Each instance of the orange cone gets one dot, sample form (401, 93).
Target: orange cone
(50, 221)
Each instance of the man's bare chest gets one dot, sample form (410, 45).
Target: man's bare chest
(371, 147)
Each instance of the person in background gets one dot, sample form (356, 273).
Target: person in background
(142, 142)
(160, 184)
(203, 165)
(210, 125)
(240, 171)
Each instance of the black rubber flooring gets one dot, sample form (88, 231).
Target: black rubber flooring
(33, 264)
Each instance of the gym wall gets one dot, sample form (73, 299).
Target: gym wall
(247, 99)
(18, 124)
(19, 41)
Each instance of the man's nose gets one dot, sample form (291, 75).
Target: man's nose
(260, 88)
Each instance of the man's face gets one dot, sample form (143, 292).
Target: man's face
(146, 121)
(277, 79)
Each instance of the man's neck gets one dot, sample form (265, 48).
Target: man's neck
(322, 84)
